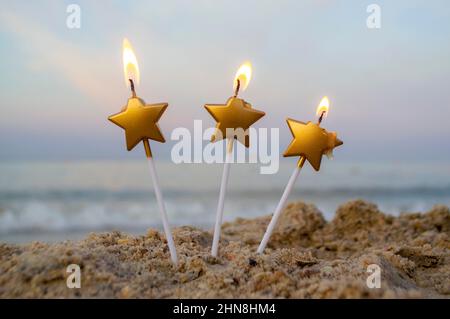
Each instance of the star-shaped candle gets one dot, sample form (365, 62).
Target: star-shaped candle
(233, 122)
(310, 142)
(140, 122)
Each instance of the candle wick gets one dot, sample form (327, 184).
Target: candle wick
(321, 117)
(133, 92)
(238, 86)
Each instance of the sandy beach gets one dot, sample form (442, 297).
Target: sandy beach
(307, 257)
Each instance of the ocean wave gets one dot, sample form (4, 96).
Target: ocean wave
(39, 198)
(103, 194)
(37, 215)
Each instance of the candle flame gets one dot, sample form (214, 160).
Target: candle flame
(130, 64)
(244, 75)
(323, 107)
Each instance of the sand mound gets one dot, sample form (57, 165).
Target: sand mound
(306, 258)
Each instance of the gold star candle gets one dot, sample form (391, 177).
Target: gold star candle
(233, 122)
(310, 142)
(140, 122)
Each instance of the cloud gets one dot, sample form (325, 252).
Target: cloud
(80, 65)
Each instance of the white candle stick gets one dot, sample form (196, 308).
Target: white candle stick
(162, 210)
(278, 210)
(220, 205)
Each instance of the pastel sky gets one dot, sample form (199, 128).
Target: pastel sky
(389, 88)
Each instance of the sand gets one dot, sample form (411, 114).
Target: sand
(307, 257)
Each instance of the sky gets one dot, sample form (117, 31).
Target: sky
(389, 87)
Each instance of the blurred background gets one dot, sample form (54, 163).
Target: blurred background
(64, 169)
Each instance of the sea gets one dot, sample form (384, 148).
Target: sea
(52, 201)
